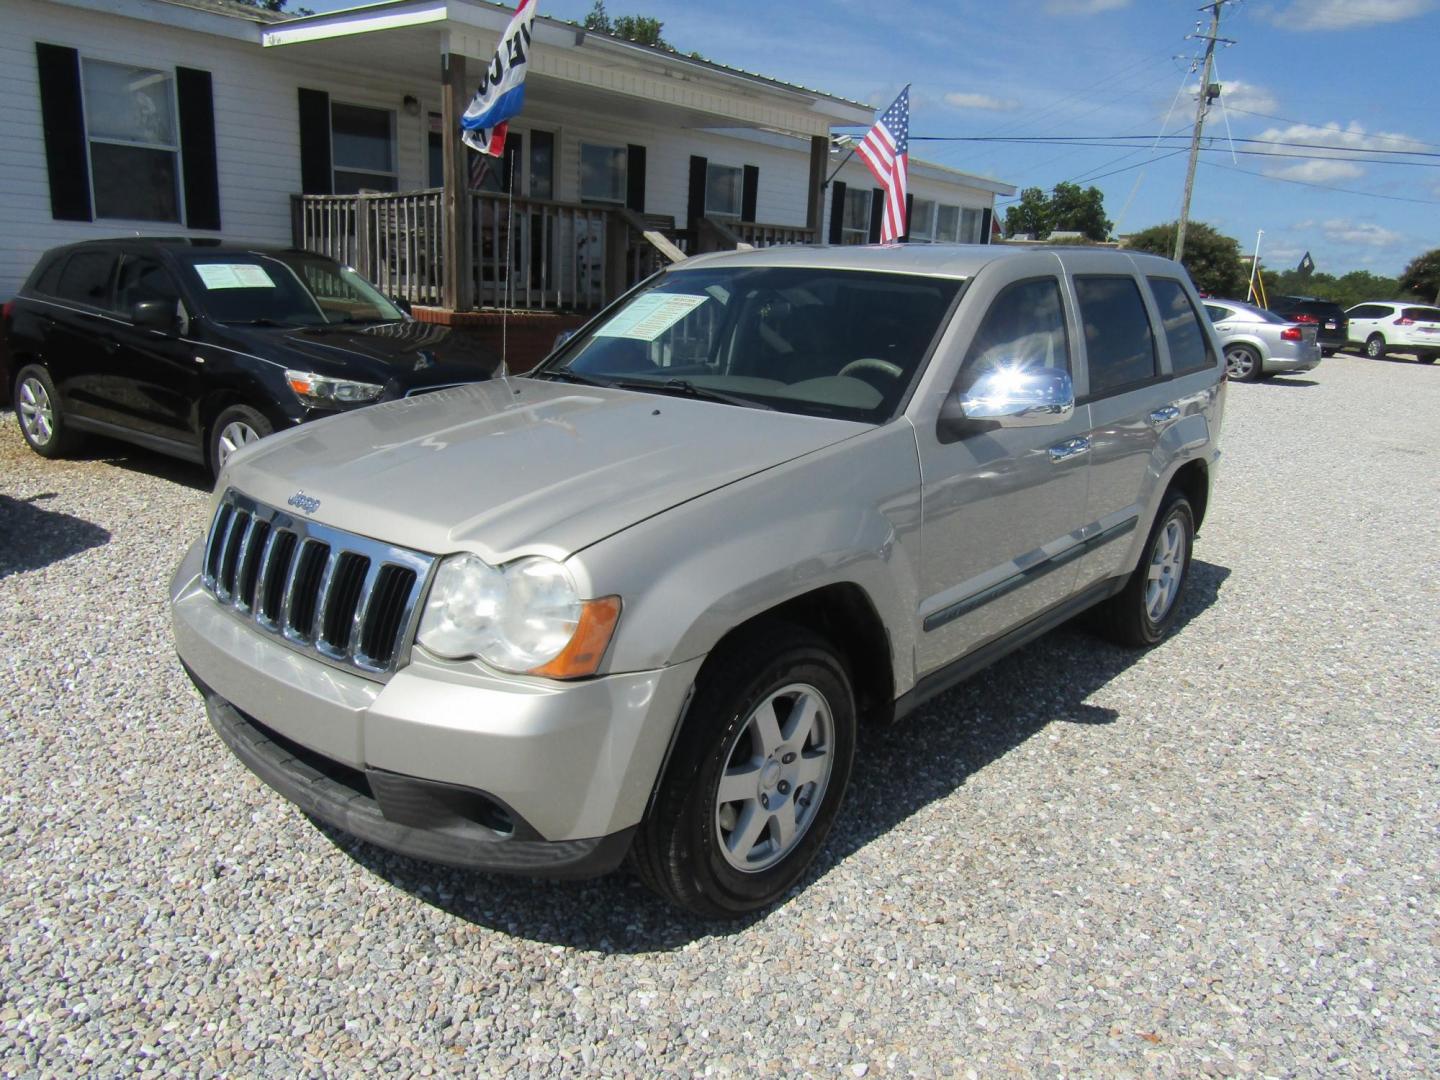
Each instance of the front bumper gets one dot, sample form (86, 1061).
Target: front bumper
(444, 762)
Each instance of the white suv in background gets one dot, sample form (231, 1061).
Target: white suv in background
(1384, 325)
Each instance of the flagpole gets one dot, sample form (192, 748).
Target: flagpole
(1254, 265)
(509, 270)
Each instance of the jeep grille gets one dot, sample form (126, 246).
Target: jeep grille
(342, 598)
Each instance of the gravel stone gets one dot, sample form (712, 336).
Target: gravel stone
(1216, 858)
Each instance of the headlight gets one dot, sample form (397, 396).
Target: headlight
(323, 392)
(525, 618)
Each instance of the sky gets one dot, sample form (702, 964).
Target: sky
(1356, 80)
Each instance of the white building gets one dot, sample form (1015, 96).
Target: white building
(209, 118)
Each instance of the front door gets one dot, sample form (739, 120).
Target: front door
(1001, 505)
(154, 377)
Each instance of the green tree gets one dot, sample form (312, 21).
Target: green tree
(1422, 276)
(1031, 215)
(1348, 290)
(1212, 258)
(1075, 210)
(640, 29)
(597, 19)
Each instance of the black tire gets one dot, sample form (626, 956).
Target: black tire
(1427, 358)
(1375, 347)
(678, 849)
(223, 431)
(1242, 363)
(1127, 618)
(42, 421)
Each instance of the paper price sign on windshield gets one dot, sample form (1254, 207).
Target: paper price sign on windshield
(234, 276)
(650, 315)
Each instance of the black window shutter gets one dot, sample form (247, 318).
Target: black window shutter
(909, 213)
(635, 179)
(315, 175)
(749, 192)
(877, 213)
(197, 148)
(696, 209)
(63, 119)
(987, 219)
(837, 211)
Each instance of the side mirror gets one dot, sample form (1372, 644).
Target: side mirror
(403, 304)
(1010, 397)
(562, 337)
(157, 315)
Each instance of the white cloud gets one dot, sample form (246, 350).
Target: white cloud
(1316, 172)
(1360, 233)
(980, 101)
(1083, 7)
(1353, 137)
(1342, 14)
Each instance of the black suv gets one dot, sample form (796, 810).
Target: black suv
(1326, 316)
(196, 347)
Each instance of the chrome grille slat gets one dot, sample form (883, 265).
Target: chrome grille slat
(304, 583)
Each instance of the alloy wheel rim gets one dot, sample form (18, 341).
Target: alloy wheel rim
(1239, 362)
(233, 436)
(37, 415)
(1167, 567)
(776, 771)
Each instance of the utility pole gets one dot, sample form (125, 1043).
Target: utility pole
(1202, 107)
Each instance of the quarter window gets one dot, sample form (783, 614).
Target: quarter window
(1118, 342)
(132, 134)
(363, 148)
(602, 173)
(86, 278)
(723, 185)
(1189, 350)
(1023, 330)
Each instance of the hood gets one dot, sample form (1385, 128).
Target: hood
(401, 355)
(519, 466)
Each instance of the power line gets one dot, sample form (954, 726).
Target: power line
(1115, 140)
(1322, 187)
(1323, 127)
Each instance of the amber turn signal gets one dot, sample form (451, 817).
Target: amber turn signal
(592, 637)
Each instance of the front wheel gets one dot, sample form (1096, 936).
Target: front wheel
(757, 776)
(1242, 363)
(1375, 347)
(1428, 358)
(1143, 612)
(37, 407)
(234, 429)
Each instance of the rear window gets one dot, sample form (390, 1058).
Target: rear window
(86, 278)
(1318, 308)
(1189, 350)
(1118, 341)
(1421, 314)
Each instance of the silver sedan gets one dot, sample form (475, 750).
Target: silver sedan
(1259, 343)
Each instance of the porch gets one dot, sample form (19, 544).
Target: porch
(521, 253)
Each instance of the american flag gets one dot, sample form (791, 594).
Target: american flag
(886, 150)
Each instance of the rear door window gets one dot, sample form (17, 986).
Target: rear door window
(1189, 348)
(1118, 341)
(86, 278)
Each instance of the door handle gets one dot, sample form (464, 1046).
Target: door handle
(1161, 417)
(1070, 448)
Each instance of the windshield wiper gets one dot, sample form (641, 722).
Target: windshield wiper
(254, 322)
(567, 375)
(686, 388)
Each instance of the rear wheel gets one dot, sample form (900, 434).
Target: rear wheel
(234, 429)
(1242, 363)
(1375, 347)
(1428, 358)
(1143, 613)
(37, 407)
(756, 778)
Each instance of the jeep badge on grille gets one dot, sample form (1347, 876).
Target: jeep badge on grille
(301, 501)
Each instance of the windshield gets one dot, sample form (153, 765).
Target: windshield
(292, 290)
(821, 342)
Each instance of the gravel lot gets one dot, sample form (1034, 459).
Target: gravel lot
(1218, 857)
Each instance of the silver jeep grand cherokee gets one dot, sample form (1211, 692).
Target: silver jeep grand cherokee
(636, 602)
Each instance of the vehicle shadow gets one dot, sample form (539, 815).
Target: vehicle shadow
(1286, 380)
(899, 770)
(32, 537)
(150, 462)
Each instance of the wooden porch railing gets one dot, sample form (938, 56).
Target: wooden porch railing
(528, 254)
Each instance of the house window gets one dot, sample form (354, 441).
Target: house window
(542, 164)
(362, 148)
(602, 173)
(922, 221)
(134, 143)
(970, 226)
(855, 224)
(947, 224)
(723, 190)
